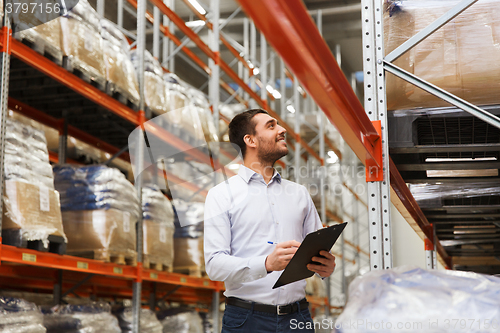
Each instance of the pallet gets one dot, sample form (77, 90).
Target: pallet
(121, 96)
(194, 271)
(88, 75)
(156, 264)
(34, 41)
(15, 237)
(113, 257)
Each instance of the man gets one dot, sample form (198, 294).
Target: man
(254, 223)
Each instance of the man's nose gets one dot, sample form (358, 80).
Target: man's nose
(282, 130)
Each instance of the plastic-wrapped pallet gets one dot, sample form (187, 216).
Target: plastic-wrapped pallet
(41, 29)
(188, 237)
(154, 86)
(31, 207)
(120, 72)
(20, 316)
(158, 229)
(202, 108)
(411, 299)
(82, 42)
(180, 321)
(148, 324)
(176, 100)
(88, 318)
(150, 63)
(100, 209)
(448, 57)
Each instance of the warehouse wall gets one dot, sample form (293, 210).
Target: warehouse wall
(407, 246)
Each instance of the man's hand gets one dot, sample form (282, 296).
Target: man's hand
(281, 256)
(327, 264)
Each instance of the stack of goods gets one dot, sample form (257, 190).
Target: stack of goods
(82, 42)
(154, 87)
(427, 300)
(202, 110)
(188, 238)
(120, 72)
(94, 317)
(448, 57)
(41, 29)
(19, 316)
(31, 208)
(148, 323)
(100, 209)
(177, 101)
(158, 229)
(180, 320)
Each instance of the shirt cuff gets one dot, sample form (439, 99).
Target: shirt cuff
(322, 278)
(257, 267)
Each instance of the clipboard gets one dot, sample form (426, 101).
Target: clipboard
(314, 242)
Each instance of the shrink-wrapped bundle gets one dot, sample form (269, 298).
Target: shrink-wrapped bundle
(20, 316)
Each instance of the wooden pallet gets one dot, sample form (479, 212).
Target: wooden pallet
(156, 263)
(195, 271)
(114, 257)
(34, 41)
(121, 95)
(15, 237)
(83, 72)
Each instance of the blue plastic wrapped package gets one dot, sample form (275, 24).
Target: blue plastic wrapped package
(93, 317)
(95, 187)
(20, 316)
(148, 322)
(411, 299)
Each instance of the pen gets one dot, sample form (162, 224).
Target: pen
(272, 243)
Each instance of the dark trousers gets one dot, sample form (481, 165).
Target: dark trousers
(239, 320)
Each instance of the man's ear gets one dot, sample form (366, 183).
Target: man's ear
(249, 140)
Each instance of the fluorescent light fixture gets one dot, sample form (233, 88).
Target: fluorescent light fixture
(331, 153)
(194, 24)
(256, 71)
(269, 88)
(276, 94)
(290, 108)
(299, 88)
(462, 173)
(333, 157)
(436, 159)
(250, 64)
(233, 166)
(198, 7)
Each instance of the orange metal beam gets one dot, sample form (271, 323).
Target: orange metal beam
(355, 195)
(333, 217)
(291, 31)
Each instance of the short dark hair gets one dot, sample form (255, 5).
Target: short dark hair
(241, 125)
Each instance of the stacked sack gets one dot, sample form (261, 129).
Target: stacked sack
(42, 28)
(31, 208)
(177, 101)
(100, 209)
(154, 87)
(82, 42)
(20, 316)
(201, 110)
(188, 237)
(179, 320)
(148, 322)
(158, 228)
(94, 317)
(120, 72)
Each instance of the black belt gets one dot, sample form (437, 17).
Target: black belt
(276, 309)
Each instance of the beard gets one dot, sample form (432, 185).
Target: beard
(270, 151)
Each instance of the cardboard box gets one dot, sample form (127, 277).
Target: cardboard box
(188, 252)
(34, 209)
(158, 242)
(102, 232)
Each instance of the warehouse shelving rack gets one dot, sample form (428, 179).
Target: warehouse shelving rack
(47, 269)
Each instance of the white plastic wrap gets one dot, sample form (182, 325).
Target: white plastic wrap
(202, 109)
(20, 316)
(148, 323)
(150, 63)
(26, 155)
(180, 321)
(411, 299)
(88, 318)
(84, 10)
(430, 195)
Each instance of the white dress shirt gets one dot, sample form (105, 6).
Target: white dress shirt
(242, 215)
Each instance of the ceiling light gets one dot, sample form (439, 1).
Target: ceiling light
(194, 24)
(269, 88)
(198, 7)
(250, 64)
(276, 94)
(465, 159)
(299, 88)
(290, 108)
(462, 173)
(256, 71)
(233, 166)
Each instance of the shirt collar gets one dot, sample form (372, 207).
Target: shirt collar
(247, 174)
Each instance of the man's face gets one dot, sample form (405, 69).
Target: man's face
(270, 138)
